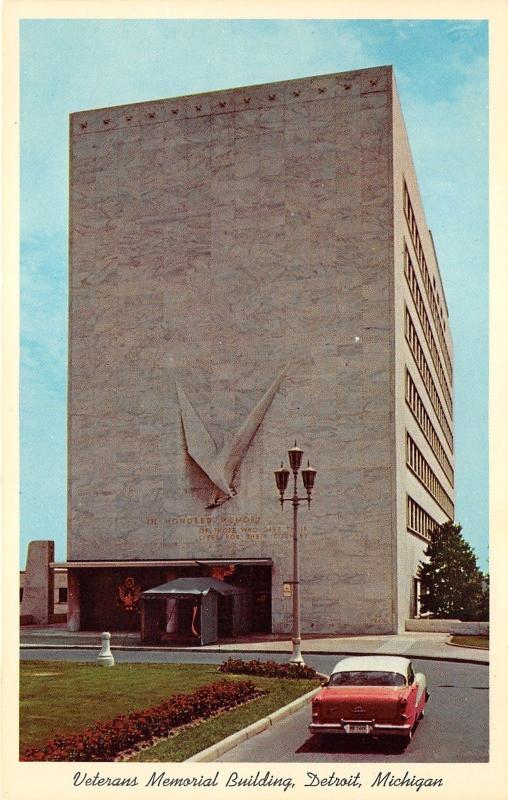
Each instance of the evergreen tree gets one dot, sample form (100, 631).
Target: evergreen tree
(484, 607)
(452, 586)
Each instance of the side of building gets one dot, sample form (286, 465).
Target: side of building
(423, 378)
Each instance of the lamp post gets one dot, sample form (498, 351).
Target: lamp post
(281, 478)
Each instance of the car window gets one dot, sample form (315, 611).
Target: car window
(410, 674)
(367, 678)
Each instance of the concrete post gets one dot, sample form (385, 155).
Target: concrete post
(105, 657)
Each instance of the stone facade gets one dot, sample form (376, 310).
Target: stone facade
(236, 283)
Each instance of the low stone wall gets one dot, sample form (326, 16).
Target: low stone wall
(454, 626)
(431, 625)
(470, 628)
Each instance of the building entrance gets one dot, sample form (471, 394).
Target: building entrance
(110, 597)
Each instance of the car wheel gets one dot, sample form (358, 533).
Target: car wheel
(403, 741)
(408, 736)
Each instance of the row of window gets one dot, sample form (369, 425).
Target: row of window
(416, 294)
(423, 368)
(416, 405)
(421, 468)
(430, 286)
(418, 521)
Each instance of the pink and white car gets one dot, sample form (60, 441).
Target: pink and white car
(374, 695)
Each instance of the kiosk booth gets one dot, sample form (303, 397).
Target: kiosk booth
(194, 611)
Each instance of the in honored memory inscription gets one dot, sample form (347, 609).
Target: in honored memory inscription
(231, 527)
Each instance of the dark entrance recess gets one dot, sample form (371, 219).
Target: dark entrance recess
(257, 578)
(110, 598)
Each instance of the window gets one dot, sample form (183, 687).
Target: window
(418, 521)
(421, 468)
(429, 287)
(424, 370)
(367, 678)
(419, 412)
(62, 595)
(412, 282)
(415, 604)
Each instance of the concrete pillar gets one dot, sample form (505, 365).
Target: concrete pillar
(73, 600)
(105, 657)
(38, 589)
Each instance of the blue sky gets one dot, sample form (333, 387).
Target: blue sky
(70, 65)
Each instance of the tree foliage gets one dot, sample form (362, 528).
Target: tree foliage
(452, 585)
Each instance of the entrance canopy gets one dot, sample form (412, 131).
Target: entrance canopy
(193, 586)
(160, 562)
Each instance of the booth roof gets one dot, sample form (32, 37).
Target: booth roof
(193, 586)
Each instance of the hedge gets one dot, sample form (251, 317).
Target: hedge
(267, 669)
(105, 740)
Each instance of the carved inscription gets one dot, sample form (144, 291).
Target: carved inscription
(245, 527)
(244, 519)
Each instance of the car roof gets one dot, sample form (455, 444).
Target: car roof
(373, 663)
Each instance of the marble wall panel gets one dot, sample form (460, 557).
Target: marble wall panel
(240, 242)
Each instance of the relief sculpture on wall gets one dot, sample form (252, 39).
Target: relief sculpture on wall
(221, 465)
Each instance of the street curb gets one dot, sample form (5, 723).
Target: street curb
(467, 646)
(216, 750)
(414, 656)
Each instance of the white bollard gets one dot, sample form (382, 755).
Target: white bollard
(105, 657)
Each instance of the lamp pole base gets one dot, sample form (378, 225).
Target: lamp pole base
(296, 656)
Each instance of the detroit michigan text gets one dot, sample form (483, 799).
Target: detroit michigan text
(262, 779)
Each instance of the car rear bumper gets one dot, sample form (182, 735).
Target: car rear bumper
(375, 729)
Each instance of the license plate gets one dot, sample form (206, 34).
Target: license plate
(357, 728)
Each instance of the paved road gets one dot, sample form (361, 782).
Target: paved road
(455, 728)
(322, 663)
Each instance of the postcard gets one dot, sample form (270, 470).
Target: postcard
(254, 399)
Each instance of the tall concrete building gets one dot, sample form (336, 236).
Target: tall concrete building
(249, 267)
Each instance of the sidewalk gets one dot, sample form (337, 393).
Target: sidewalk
(412, 645)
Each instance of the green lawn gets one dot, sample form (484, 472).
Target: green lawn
(58, 697)
(471, 641)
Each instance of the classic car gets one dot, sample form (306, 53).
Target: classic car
(375, 695)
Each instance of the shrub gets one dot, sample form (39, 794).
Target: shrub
(105, 740)
(267, 669)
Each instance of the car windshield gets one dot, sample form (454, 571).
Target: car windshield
(367, 678)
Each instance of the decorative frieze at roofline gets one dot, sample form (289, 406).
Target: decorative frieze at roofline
(339, 86)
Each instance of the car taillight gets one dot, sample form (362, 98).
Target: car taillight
(403, 701)
(316, 703)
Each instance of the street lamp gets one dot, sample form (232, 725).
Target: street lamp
(281, 479)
